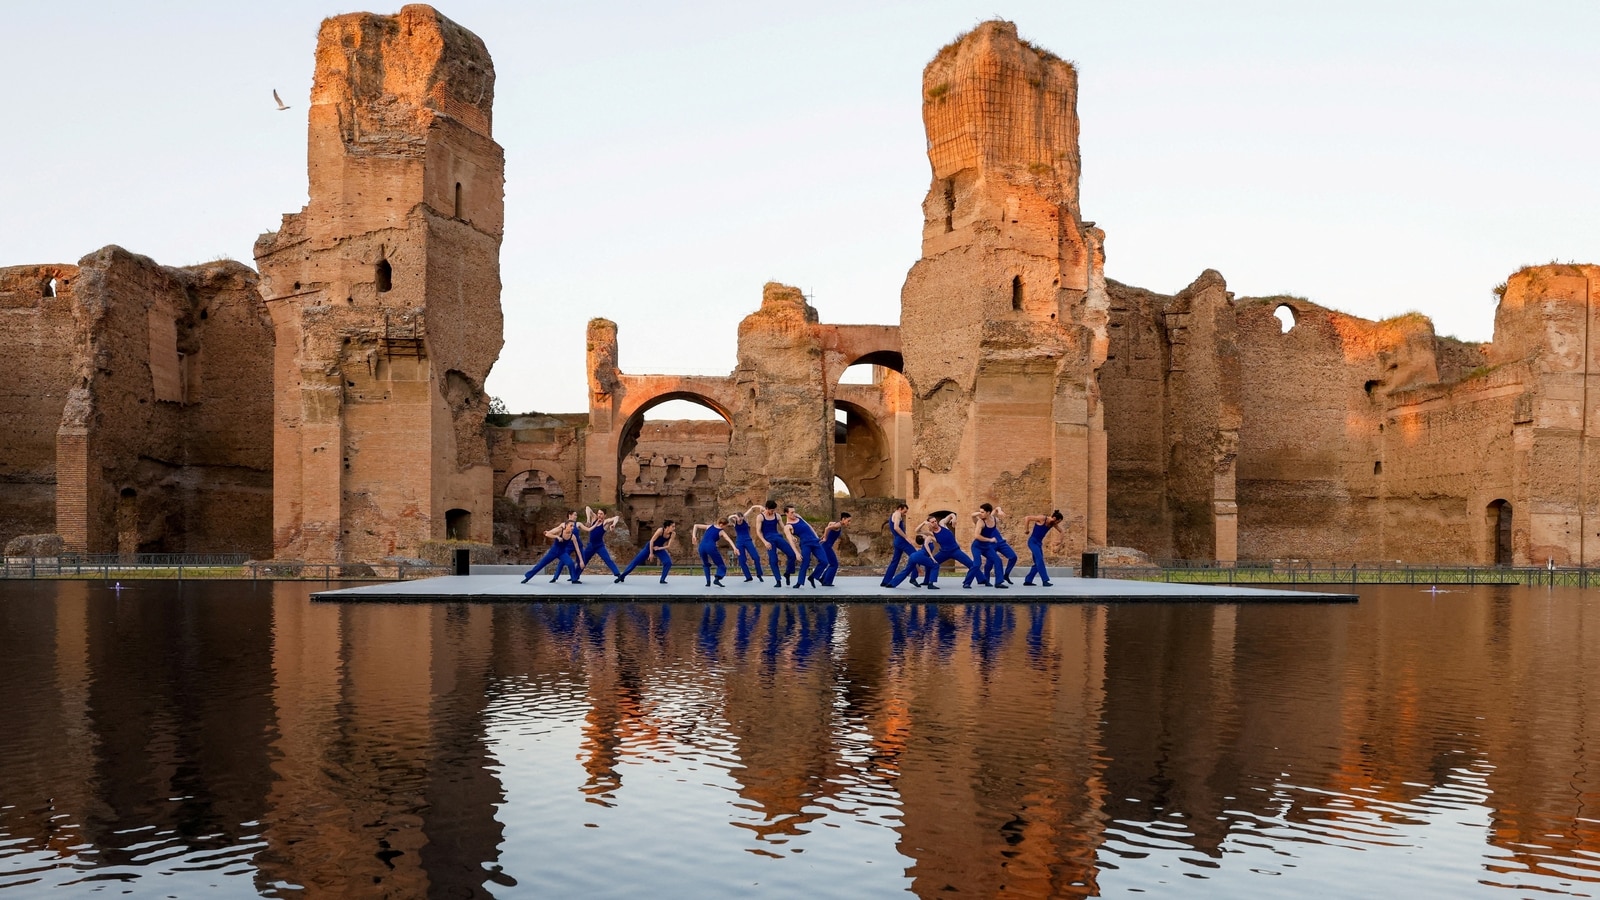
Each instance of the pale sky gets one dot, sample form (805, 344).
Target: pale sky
(662, 162)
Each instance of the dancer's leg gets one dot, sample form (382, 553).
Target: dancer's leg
(894, 563)
(544, 560)
(1010, 556)
(666, 564)
(1037, 550)
(637, 562)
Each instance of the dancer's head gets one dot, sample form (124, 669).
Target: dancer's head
(666, 524)
(723, 520)
(572, 515)
(844, 518)
(901, 507)
(789, 511)
(987, 507)
(1056, 516)
(772, 505)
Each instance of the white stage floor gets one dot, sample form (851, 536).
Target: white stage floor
(646, 587)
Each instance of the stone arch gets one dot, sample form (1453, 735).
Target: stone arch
(537, 500)
(863, 459)
(633, 417)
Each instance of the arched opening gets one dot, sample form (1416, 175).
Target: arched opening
(1016, 293)
(1286, 317)
(383, 276)
(841, 491)
(457, 525)
(50, 288)
(670, 462)
(863, 463)
(1498, 516)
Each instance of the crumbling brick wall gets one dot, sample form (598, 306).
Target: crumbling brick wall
(164, 441)
(385, 294)
(35, 331)
(1003, 319)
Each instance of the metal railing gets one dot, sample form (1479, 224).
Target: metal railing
(207, 566)
(1328, 572)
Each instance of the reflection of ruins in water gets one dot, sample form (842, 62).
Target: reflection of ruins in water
(1028, 749)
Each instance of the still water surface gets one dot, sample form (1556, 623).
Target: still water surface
(224, 740)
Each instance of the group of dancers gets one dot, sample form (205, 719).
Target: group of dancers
(809, 557)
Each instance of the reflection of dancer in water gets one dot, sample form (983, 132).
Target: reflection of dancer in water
(810, 548)
(1041, 526)
(983, 547)
(563, 547)
(1002, 549)
(596, 529)
(776, 543)
(745, 547)
(830, 557)
(655, 549)
(709, 554)
(902, 545)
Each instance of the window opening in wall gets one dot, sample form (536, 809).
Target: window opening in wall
(1286, 317)
(949, 205)
(1016, 292)
(1370, 386)
(457, 524)
(458, 199)
(1498, 514)
(702, 473)
(840, 489)
(384, 276)
(1377, 468)
(50, 288)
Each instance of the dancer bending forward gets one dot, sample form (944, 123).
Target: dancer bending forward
(655, 549)
(1041, 527)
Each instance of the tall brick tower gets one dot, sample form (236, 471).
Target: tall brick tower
(385, 295)
(1003, 320)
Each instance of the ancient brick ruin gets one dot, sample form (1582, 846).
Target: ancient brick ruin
(1193, 425)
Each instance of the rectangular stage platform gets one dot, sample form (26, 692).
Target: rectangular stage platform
(646, 587)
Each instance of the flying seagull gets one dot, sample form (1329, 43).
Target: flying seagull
(279, 100)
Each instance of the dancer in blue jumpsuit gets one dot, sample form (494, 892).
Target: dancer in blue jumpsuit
(709, 554)
(983, 548)
(948, 546)
(830, 557)
(902, 545)
(1041, 526)
(810, 547)
(563, 546)
(745, 547)
(775, 541)
(656, 549)
(1002, 548)
(596, 544)
(920, 558)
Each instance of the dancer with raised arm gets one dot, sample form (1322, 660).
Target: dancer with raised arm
(563, 547)
(902, 545)
(745, 547)
(655, 548)
(1041, 526)
(776, 543)
(595, 545)
(709, 554)
(1002, 548)
(830, 557)
(805, 536)
(983, 548)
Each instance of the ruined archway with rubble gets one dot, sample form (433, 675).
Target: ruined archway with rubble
(671, 468)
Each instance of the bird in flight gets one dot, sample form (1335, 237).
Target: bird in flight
(279, 100)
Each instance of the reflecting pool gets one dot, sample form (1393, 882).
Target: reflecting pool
(230, 740)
